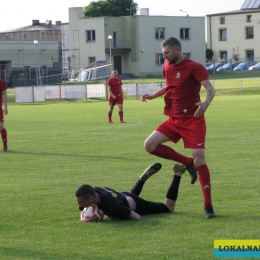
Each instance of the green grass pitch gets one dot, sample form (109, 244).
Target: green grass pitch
(55, 147)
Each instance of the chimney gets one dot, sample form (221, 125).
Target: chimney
(144, 11)
(50, 23)
(35, 22)
(58, 23)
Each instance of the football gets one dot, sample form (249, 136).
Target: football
(91, 214)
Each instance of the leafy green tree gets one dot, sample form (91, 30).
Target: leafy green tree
(110, 8)
(209, 54)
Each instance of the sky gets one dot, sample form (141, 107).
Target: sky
(21, 13)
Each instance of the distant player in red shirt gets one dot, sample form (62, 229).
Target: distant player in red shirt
(186, 121)
(116, 96)
(3, 101)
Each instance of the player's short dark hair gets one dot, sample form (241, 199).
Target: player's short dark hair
(85, 191)
(172, 42)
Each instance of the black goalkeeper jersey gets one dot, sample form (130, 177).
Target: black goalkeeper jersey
(114, 204)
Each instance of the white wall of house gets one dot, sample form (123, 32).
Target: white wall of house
(235, 24)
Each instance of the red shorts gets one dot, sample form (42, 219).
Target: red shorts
(191, 130)
(118, 100)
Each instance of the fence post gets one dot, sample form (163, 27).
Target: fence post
(33, 93)
(86, 86)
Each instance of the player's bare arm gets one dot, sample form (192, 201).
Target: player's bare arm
(159, 93)
(202, 106)
(110, 92)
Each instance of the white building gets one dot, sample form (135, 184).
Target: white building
(136, 40)
(235, 33)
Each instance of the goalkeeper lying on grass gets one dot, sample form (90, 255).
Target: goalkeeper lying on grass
(128, 205)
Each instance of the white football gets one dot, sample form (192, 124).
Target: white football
(91, 213)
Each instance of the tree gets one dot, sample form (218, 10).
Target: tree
(110, 8)
(209, 54)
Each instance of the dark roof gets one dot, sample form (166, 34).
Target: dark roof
(249, 4)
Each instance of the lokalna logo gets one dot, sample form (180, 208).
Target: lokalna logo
(237, 249)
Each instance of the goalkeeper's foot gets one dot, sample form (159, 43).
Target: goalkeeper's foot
(151, 170)
(179, 168)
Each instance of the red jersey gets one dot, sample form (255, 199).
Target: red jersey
(115, 84)
(182, 88)
(3, 87)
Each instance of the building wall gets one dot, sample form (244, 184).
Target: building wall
(21, 59)
(137, 45)
(235, 24)
(80, 49)
(148, 46)
(27, 54)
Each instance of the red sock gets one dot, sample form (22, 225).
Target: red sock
(4, 137)
(109, 116)
(121, 115)
(204, 178)
(168, 153)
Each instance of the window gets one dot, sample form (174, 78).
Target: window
(223, 34)
(115, 40)
(91, 60)
(186, 54)
(249, 32)
(222, 20)
(249, 18)
(184, 33)
(90, 35)
(250, 55)
(159, 59)
(159, 33)
(223, 55)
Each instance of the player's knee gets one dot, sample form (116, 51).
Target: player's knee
(199, 158)
(148, 146)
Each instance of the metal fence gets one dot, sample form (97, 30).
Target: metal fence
(89, 92)
(32, 94)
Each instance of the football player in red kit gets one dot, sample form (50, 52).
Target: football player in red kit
(3, 111)
(185, 110)
(116, 96)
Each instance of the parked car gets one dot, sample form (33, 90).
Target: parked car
(208, 64)
(244, 65)
(255, 67)
(228, 66)
(214, 66)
